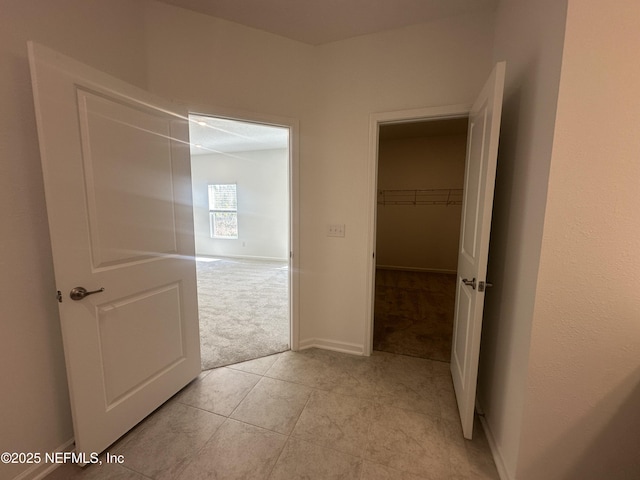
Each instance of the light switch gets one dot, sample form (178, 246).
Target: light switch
(335, 230)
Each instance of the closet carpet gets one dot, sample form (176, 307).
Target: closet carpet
(244, 309)
(414, 313)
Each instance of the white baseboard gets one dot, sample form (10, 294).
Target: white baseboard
(495, 450)
(416, 269)
(244, 257)
(41, 470)
(343, 347)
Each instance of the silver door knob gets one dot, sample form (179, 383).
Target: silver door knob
(470, 283)
(78, 293)
(482, 286)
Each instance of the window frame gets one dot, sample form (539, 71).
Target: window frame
(215, 210)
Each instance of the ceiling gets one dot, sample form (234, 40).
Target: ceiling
(317, 22)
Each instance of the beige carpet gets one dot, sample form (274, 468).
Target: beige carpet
(244, 309)
(414, 313)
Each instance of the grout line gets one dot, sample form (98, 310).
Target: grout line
(284, 445)
(246, 394)
(301, 412)
(370, 402)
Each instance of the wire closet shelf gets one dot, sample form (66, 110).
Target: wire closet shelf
(431, 196)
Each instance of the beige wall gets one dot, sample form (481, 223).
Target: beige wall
(439, 63)
(529, 37)
(582, 414)
(332, 90)
(34, 404)
(207, 62)
(560, 371)
(262, 183)
(420, 236)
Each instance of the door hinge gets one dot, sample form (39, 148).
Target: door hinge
(59, 296)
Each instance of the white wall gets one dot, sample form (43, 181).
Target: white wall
(439, 63)
(262, 187)
(34, 403)
(560, 371)
(422, 236)
(529, 37)
(206, 62)
(559, 368)
(332, 90)
(582, 414)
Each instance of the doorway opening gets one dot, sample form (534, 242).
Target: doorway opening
(242, 224)
(419, 191)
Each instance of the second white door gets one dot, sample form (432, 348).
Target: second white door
(473, 252)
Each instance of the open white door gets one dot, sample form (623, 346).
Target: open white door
(479, 182)
(116, 171)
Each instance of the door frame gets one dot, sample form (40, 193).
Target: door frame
(294, 204)
(375, 121)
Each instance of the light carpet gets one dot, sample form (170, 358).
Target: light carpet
(414, 313)
(244, 309)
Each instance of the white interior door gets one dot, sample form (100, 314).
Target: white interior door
(480, 174)
(117, 182)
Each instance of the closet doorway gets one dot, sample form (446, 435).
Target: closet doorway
(421, 167)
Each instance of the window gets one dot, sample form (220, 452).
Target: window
(223, 211)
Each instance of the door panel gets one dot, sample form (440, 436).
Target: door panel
(116, 171)
(124, 324)
(472, 190)
(126, 205)
(460, 341)
(477, 206)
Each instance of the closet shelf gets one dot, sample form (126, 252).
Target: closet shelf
(432, 196)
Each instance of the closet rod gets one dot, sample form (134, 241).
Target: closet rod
(430, 196)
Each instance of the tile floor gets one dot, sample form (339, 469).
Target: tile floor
(307, 415)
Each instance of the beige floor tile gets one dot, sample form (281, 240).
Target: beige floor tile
(273, 404)
(456, 450)
(105, 471)
(302, 460)
(309, 368)
(361, 375)
(408, 441)
(167, 440)
(336, 421)
(259, 366)
(409, 369)
(375, 471)
(448, 404)
(479, 456)
(236, 452)
(395, 393)
(203, 374)
(220, 391)
(420, 385)
(367, 418)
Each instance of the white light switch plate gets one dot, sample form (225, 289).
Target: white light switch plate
(335, 230)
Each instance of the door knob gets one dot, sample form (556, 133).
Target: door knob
(484, 285)
(470, 283)
(78, 293)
